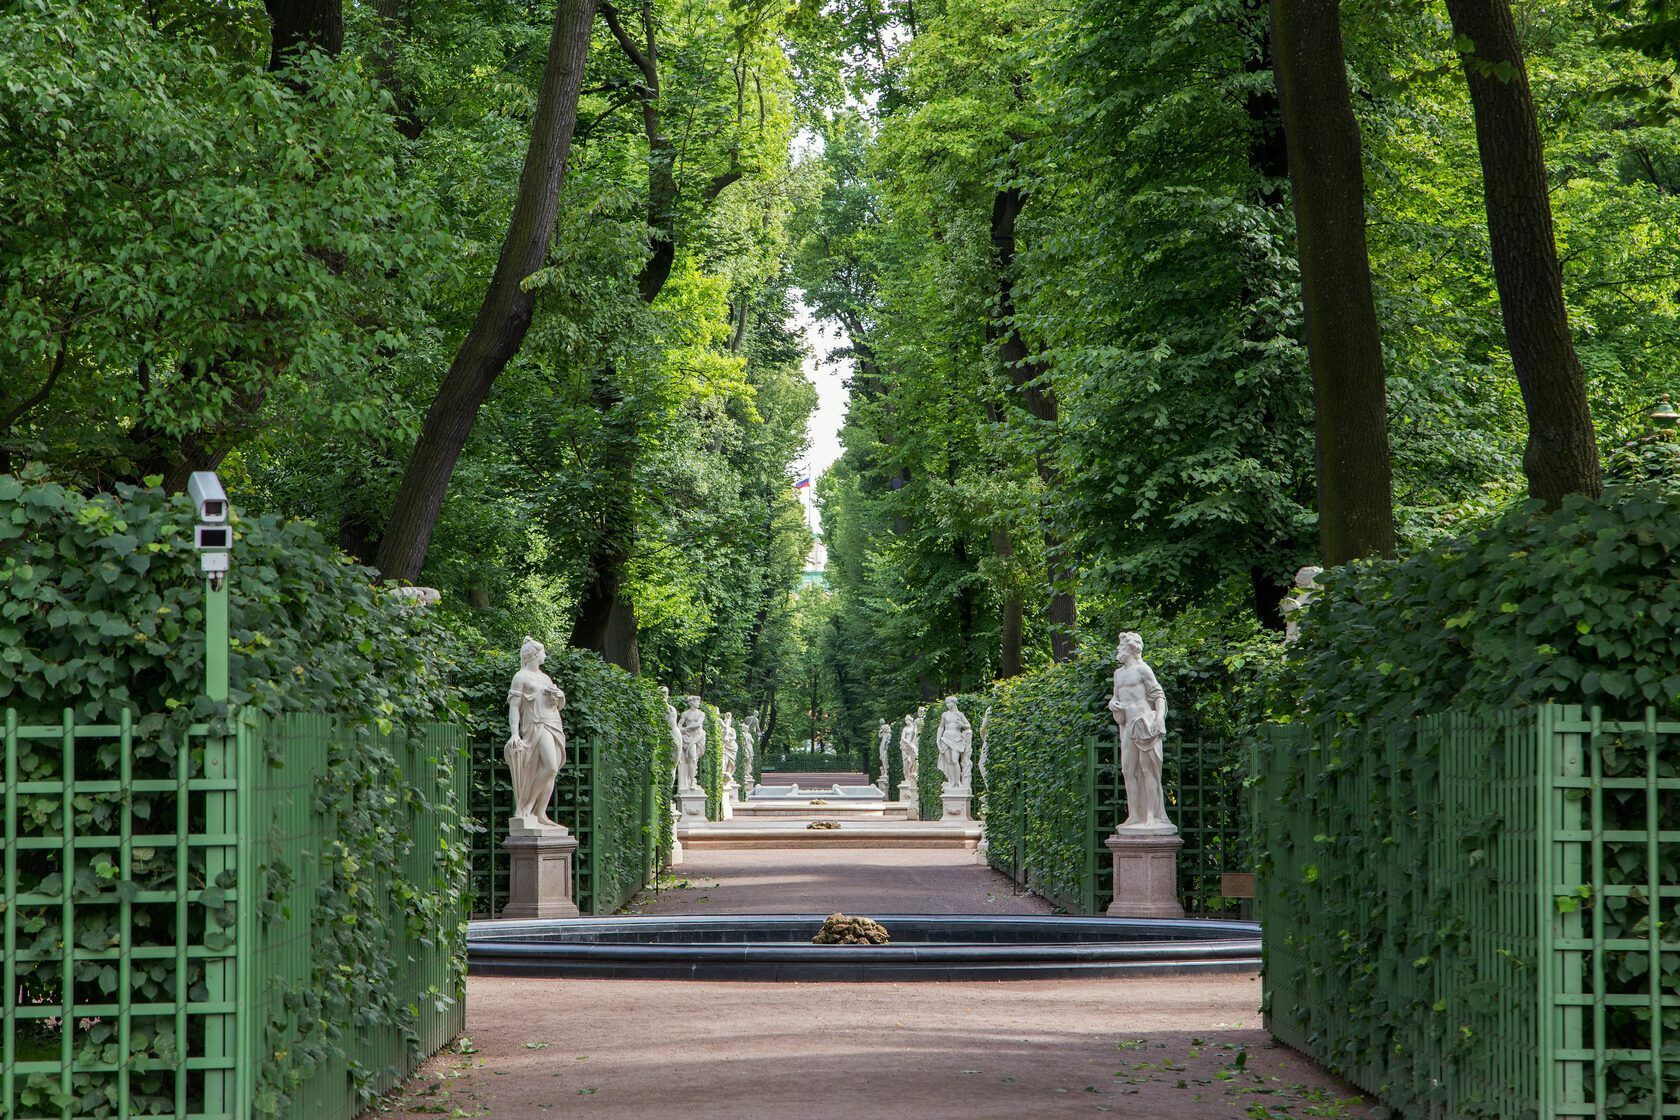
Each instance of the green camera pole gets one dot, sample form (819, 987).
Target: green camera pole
(221, 820)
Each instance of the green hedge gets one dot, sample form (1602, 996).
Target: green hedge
(101, 612)
(614, 792)
(1581, 603)
(806, 762)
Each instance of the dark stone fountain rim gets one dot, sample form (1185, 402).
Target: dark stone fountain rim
(925, 947)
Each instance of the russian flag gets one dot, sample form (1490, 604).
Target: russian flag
(802, 484)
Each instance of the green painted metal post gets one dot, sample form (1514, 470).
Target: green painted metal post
(221, 820)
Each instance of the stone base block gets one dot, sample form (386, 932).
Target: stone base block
(730, 793)
(1145, 875)
(910, 797)
(691, 807)
(540, 875)
(956, 801)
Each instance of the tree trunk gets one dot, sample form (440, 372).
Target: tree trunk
(301, 25)
(396, 19)
(1344, 348)
(1026, 373)
(505, 314)
(1562, 453)
(1012, 623)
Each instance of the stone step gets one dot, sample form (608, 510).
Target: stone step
(876, 833)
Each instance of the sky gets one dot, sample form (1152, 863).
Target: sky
(829, 376)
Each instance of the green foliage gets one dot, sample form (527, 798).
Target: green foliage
(190, 248)
(101, 610)
(1579, 604)
(101, 615)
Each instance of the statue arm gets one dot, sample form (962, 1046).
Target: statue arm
(514, 699)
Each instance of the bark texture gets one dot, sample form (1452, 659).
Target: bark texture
(505, 315)
(1562, 453)
(1344, 347)
(1026, 372)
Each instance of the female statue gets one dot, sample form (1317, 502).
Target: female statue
(691, 745)
(956, 745)
(536, 748)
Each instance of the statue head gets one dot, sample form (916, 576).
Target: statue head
(950, 703)
(1131, 644)
(532, 653)
(728, 719)
(1307, 578)
(694, 703)
(885, 725)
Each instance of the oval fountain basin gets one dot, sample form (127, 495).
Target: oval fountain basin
(923, 947)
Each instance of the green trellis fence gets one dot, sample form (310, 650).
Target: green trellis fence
(616, 806)
(1479, 916)
(160, 922)
(1047, 832)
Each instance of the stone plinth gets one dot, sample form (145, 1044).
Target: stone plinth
(691, 807)
(956, 800)
(910, 797)
(540, 873)
(731, 792)
(1145, 874)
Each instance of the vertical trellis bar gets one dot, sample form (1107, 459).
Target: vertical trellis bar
(8, 1008)
(1653, 893)
(67, 911)
(125, 905)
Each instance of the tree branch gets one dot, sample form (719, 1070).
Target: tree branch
(631, 50)
(46, 388)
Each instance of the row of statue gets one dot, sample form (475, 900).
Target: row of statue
(688, 734)
(954, 738)
(536, 746)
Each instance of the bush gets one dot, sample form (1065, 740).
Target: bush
(1580, 604)
(102, 612)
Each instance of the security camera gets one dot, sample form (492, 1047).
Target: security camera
(205, 489)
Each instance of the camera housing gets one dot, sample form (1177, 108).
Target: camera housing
(206, 492)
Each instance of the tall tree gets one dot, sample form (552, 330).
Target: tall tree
(1030, 378)
(1344, 348)
(1561, 456)
(505, 314)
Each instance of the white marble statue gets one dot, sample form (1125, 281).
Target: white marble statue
(908, 735)
(1306, 583)
(1139, 708)
(731, 749)
(910, 758)
(985, 718)
(691, 743)
(749, 743)
(886, 737)
(676, 736)
(536, 746)
(956, 745)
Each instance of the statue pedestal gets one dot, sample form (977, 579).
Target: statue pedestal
(910, 796)
(1145, 873)
(540, 872)
(956, 799)
(730, 792)
(676, 854)
(691, 807)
